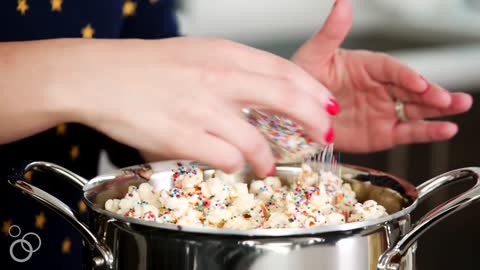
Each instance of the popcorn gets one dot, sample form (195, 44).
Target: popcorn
(145, 192)
(166, 217)
(244, 202)
(314, 199)
(227, 179)
(280, 220)
(273, 182)
(237, 222)
(335, 218)
(262, 190)
(127, 203)
(112, 205)
(212, 187)
(187, 177)
(192, 217)
(307, 178)
(366, 211)
(217, 215)
(149, 216)
(238, 190)
(150, 209)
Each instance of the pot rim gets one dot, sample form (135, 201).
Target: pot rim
(411, 191)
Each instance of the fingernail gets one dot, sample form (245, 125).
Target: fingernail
(424, 83)
(332, 107)
(330, 135)
(272, 171)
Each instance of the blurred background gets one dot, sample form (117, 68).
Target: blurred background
(439, 38)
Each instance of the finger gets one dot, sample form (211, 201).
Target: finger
(235, 130)
(423, 131)
(208, 149)
(386, 69)
(268, 66)
(461, 102)
(283, 97)
(334, 30)
(246, 86)
(434, 96)
(255, 60)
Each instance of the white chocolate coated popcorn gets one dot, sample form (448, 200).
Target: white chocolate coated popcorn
(366, 211)
(221, 201)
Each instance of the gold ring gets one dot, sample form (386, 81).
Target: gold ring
(400, 110)
(399, 105)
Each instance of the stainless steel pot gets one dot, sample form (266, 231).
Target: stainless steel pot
(113, 241)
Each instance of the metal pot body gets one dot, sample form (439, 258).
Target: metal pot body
(137, 247)
(113, 241)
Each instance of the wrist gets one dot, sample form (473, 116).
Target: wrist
(72, 93)
(30, 77)
(41, 79)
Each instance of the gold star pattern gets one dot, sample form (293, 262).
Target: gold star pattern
(6, 226)
(22, 6)
(61, 130)
(66, 245)
(82, 207)
(28, 176)
(88, 31)
(56, 5)
(129, 8)
(74, 152)
(40, 220)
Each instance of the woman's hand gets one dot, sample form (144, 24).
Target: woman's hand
(360, 79)
(182, 97)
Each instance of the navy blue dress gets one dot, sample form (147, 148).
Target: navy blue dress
(73, 146)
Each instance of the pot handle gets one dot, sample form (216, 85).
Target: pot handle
(431, 218)
(42, 166)
(106, 257)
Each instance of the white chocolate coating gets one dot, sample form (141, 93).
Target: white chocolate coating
(312, 200)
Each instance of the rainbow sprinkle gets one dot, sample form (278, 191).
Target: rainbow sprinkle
(287, 139)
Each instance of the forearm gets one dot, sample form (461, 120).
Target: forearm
(31, 100)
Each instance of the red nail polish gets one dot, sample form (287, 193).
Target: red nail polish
(330, 135)
(332, 107)
(272, 171)
(427, 84)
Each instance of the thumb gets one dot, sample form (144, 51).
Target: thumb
(334, 30)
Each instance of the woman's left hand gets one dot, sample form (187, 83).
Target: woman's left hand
(360, 81)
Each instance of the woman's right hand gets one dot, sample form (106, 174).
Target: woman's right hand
(182, 97)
